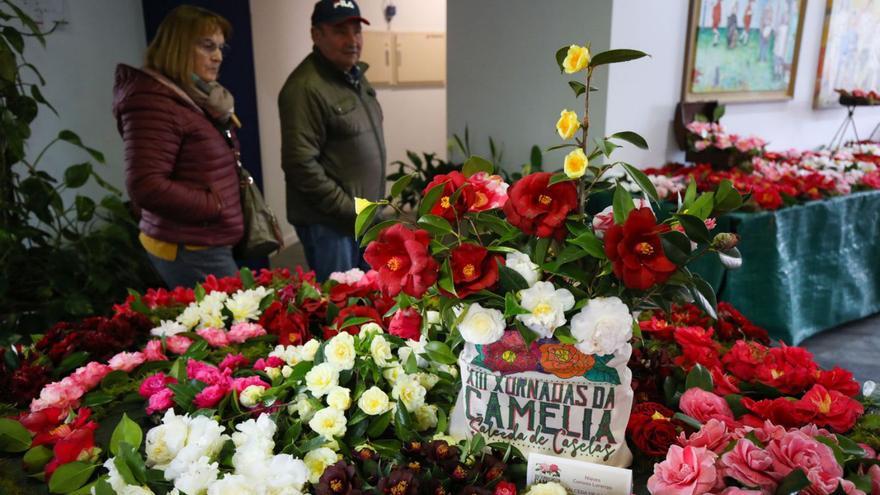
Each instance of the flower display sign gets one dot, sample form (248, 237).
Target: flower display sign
(535, 293)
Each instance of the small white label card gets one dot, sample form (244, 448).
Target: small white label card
(579, 477)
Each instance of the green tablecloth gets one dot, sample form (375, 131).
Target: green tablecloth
(806, 268)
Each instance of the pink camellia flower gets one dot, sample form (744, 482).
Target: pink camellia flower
(177, 344)
(270, 362)
(233, 362)
(126, 361)
(90, 375)
(211, 396)
(489, 191)
(769, 432)
(160, 401)
(63, 394)
(155, 383)
(686, 471)
(703, 406)
(735, 490)
(241, 332)
(870, 453)
(748, 464)
(797, 450)
(874, 473)
(153, 351)
(216, 337)
(203, 372)
(701, 145)
(714, 435)
(406, 324)
(240, 384)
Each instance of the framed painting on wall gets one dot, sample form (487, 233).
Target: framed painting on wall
(850, 55)
(742, 50)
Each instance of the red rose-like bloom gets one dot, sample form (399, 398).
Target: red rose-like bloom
(833, 409)
(451, 183)
(352, 312)
(839, 379)
(291, 328)
(744, 358)
(505, 488)
(402, 259)
(406, 324)
(540, 210)
(635, 250)
(653, 436)
(473, 269)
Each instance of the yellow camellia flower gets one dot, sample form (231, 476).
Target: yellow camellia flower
(577, 59)
(575, 164)
(360, 204)
(568, 124)
(374, 401)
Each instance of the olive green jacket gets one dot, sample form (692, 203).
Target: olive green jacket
(332, 144)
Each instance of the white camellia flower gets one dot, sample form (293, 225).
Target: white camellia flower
(602, 327)
(307, 351)
(289, 354)
(549, 488)
(233, 484)
(189, 317)
(409, 391)
(322, 378)
(135, 490)
(198, 477)
(286, 473)
(393, 373)
(482, 326)
(275, 372)
(417, 346)
(168, 328)
(339, 397)
(522, 264)
(244, 306)
(340, 351)
(252, 394)
(547, 305)
(286, 371)
(329, 422)
(369, 328)
(426, 417)
(163, 442)
(374, 401)
(302, 406)
(205, 438)
(317, 461)
(380, 349)
(428, 380)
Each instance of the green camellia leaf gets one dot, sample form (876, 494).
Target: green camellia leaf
(364, 218)
(247, 278)
(699, 377)
(622, 204)
(435, 224)
(379, 424)
(560, 57)
(401, 184)
(694, 227)
(726, 198)
(70, 476)
(588, 241)
(126, 431)
(557, 178)
(440, 352)
(793, 483)
(373, 232)
(354, 321)
(578, 88)
(631, 138)
(431, 198)
(684, 418)
(36, 458)
(476, 164)
(704, 295)
(14, 437)
(512, 307)
(643, 181)
(731, 258)
(690, 194)
(616, 56)
(446, 277)
(510, 280)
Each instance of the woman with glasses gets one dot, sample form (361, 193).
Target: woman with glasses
(181, 155)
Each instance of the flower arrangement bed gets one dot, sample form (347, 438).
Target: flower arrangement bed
(392, 381)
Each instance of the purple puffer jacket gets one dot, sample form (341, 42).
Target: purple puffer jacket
(179, 169)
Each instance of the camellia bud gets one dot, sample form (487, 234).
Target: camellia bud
(725, 241)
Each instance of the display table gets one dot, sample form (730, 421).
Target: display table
(806, 268)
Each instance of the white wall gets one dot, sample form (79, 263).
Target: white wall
(78, 64)
(503, 78)
(643, 94)
(415, 118)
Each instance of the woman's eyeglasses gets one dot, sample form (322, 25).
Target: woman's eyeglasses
(208, 46)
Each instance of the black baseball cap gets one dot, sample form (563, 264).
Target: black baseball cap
(336, 11)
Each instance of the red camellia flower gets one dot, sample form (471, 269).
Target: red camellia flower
(406, 324)
(292, 328)
(473, 269)
(635, 250)
(537, 209)
(839, 379)
(352, 312)
(402, 259)
(505, 488)
(451, 183)
(651, 428)
(832, 408)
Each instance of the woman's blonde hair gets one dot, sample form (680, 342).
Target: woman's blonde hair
(171, 51)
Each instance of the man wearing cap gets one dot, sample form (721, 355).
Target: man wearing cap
(332, 145)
